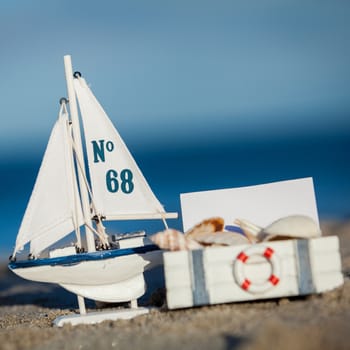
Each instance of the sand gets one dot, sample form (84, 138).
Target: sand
(27, 310)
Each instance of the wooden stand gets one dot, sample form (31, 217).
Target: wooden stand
(100, 316)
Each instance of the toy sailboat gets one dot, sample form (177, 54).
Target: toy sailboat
(63, 201)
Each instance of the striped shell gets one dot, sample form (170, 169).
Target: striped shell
(173, 240)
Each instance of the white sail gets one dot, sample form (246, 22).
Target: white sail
(119, 189)
(52, 212)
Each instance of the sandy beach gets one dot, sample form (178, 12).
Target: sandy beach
(27, 310)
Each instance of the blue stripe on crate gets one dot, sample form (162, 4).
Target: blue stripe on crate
(199, 291)
(305, 279)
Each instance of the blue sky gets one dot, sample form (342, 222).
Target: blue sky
(178, 71)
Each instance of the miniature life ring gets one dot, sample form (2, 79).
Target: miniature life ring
(247, 285)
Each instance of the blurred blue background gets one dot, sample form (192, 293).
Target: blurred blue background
(206, 94)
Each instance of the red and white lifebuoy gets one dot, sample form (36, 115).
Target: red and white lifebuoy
(246, 284)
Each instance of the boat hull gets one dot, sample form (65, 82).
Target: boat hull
(127, 290)
(108, 276)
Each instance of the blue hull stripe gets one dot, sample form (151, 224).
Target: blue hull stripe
(78, 258)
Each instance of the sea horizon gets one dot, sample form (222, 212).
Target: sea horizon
(174, 169)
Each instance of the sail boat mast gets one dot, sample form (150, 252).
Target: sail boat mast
(79, 151)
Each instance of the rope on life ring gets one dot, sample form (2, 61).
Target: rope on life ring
(247, 285)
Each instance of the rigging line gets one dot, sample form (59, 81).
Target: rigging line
(80, 165)
(164, 221)
(100, 232)
(103, 237)
(162, 214)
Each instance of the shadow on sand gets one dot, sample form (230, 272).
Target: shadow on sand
(17, 291)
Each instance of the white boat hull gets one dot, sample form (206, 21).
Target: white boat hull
(109, 279)
(127, 290)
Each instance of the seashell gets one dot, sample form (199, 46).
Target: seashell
(212, 225)
(294, 226)
(222, 238)
(173, 240)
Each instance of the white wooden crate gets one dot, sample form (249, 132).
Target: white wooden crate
(252, 272)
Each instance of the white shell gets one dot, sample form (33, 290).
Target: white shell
(295, 226)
